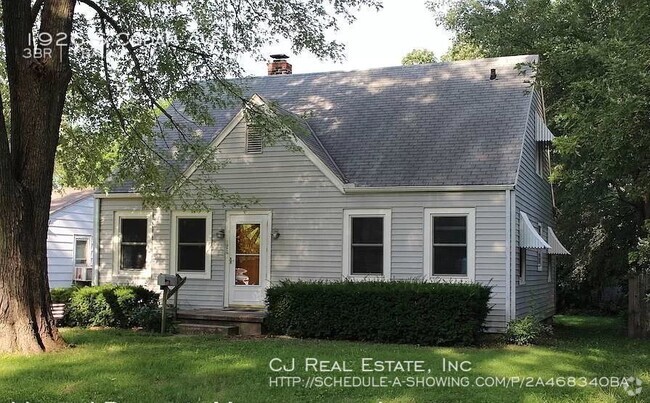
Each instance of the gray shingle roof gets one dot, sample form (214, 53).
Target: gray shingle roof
(438, 124)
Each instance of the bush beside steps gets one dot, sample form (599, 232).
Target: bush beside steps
(388, 312)
(110, 306)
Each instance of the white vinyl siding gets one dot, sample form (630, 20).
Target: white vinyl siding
(308, 210)
(75, 220)
(533, 196)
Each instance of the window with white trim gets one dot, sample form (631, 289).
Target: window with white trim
(449, 243)
(550, 268)
(82, 265)
(133, 238)
(81, 251)
(191, 239)
(367, 243)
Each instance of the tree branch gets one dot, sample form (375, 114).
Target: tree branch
(136, 66)
(36, 9)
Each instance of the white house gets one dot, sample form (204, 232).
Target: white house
(435, 172)
(70, 237)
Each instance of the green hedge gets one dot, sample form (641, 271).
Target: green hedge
(113, 306)
(62, 295)
(391, 312)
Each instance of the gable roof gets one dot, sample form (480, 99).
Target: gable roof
(66, 197)
(442, 124)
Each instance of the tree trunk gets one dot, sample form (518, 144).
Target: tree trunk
(38, 84)
(638, 323)
(26, 322)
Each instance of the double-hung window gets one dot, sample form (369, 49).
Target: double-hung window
(133, 231)
(449, 243)
(191, 255)
(81, 252)
(367, 244)
(82, 266)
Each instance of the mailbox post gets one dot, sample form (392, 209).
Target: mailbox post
(165, 281)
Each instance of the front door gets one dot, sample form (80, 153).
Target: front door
(248, 260)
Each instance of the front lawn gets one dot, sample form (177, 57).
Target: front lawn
(124, 366)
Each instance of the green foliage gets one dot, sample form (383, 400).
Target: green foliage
(387, 312)
(149, 317)
(113, 306)
(462, 51)
(596, 82)
(526, 331)
(419, 56)
(640, 256)
(146, 75)
(62, 295)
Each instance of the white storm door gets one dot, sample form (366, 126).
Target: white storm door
(249, 258)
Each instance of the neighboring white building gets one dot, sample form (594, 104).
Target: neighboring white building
(69, 237)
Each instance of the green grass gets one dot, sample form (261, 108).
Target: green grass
(125, 366)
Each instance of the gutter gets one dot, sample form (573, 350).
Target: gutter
(351, 188)
(508, 256)
(513, 256)
(121, 195)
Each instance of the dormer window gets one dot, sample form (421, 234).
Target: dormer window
(253, 140)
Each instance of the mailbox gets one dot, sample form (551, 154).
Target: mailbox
(167, 280)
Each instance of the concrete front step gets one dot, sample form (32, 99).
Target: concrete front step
(207, 328)
(248, 322)
(222, 315)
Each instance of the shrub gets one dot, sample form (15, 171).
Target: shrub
(393, 312)
(527, 330)
(110, 306)
(150, 318)
(62, 295)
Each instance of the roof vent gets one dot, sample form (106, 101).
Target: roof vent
(253, 140)
(279, 65)
(493, 74)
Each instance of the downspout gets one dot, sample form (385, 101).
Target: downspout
(513, 256)
(508, 256)
(97, 205)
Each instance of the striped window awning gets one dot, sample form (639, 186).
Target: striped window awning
(542, 133)
(528, 236)
(556, 247)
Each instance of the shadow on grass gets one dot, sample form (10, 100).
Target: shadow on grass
(125, 366)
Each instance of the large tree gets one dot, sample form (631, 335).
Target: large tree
(419, 56)
(595, 76)
(96, 78)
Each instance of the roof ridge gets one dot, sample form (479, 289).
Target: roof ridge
(377, 69)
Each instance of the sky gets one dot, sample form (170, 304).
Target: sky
(376, 39)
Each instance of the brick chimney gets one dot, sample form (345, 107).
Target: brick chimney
(279, 65)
